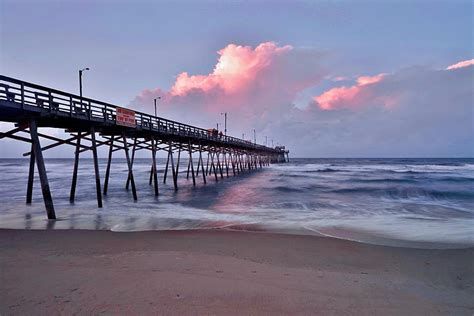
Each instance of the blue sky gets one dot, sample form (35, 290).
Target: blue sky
(135, 45)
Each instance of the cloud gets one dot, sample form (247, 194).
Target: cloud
(365, 91)
(415, 111)
(461, 64)
(252, 84)
(352, 96)
(237, 67)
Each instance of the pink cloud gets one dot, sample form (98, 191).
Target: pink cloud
(352, 96)
(236, 68)
(252, 83)
(461, 64)
(363, 80)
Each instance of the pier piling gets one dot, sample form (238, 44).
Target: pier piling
(48, 199)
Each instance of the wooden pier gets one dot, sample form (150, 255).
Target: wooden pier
(32, 107)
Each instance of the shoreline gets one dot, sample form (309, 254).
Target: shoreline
(223, 271)
(339, 233)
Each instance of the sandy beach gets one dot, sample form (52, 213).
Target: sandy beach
(223, 272)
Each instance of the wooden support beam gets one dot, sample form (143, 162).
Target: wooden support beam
(202, 164)
(96, 168)
(109, 161)
(175, 175)
(213, 166)
(11, 132)
(48, 199)
(236, 160)
(175, 180)
(151, 174)
(236, 164)
(207, 163)
(129, 163)
(102, 143)
(192, 166)
(72, 194)
(189, 165)
(224, 161)
(210, 158)
(31, 176)
(232, 160)
(23, 139)
(134, 148)
(199, 164)
(170, 151)
(153, 157)
(153, 148)
(219, 165)
(226, 165)
(59, 141)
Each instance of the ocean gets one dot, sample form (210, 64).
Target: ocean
(398, 202)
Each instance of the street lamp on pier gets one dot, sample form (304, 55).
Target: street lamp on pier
(80, 82)
(155, 103)
(225, 123)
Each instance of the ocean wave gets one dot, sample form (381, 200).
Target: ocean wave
(394, 168)
(322, 170)
(293, 175)
(407, 193)
(383, 180)
(456, 179)
(286, 189)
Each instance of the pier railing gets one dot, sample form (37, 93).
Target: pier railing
(36, 98)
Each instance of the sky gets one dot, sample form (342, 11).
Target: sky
(323, 78)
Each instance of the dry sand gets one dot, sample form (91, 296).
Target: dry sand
(221, 272)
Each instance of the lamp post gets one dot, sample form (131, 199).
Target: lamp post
(243, 136)
(266, 138)
(254, 136)
(80, 82)
(155, 103)
(272, 143)
(225, 123)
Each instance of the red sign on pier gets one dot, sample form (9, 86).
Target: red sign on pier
(126, 117)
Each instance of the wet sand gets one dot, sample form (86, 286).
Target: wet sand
(222, 272)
